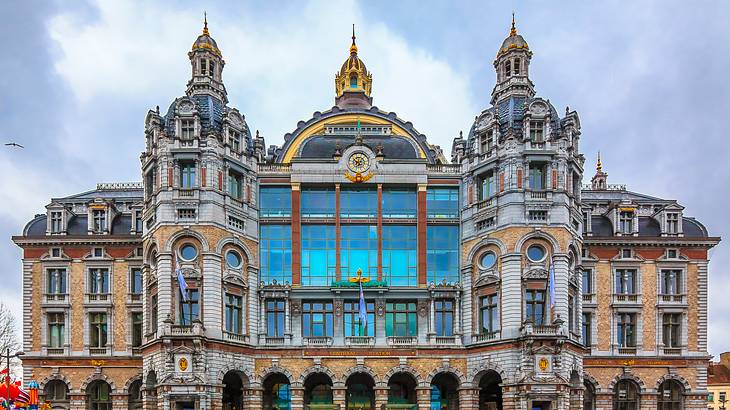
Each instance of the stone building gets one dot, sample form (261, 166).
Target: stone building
(718, 383)
(354, 267)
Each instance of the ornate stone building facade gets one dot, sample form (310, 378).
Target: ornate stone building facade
(354, 267)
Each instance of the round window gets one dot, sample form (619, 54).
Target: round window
(536, 253)
(233, 259)
(188, 252)
(487, 260)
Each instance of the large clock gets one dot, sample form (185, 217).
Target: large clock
(358, 162)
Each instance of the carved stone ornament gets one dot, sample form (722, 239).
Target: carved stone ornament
(535, 273)
(296, 307)
(338, 308)
(235, 120)
(380, 309)
(538, 108)
(423, 308)
(185, 107)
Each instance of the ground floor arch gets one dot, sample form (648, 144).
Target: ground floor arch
(277, 392)
(360, 392)
(490, 391)
(318, 392)
(445, 392)
(234, 384)
(402, 389)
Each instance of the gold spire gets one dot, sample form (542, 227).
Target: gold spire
(205, 24)
(513, 30)
(353, 47)
(599, 166)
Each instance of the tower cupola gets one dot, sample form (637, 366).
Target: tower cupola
(512, 66)
(353, 83)
(207, 64)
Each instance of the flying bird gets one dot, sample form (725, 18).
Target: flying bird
(13, 144)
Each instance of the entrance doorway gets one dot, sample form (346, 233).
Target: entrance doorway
(360, 393)
(490, 391)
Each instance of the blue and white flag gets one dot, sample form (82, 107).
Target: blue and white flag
(181, 282)
(551, 284)
(363, 310)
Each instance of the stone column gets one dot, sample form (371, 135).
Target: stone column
(468, 399)
(211, 297)
(297, 398)
(119, 401)
(604, 401)
(77, 402)
(252, 398)
(339, 396)
(511, 303)
(381, 397)
(423, 398)
(576, 399)
(165, 296)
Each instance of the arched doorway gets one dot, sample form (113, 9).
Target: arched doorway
(490, 391)
(277, 394)
(671, 396)
(56, 393)
(402, 389)
(360, 393)
(445, 392)
(98, 395)
(134, 399)
(589, 396)
(233, 384)
(626, 395)
(318, 392)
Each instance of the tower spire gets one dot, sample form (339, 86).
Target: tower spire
(205, 24)
(353, 47)
(513, 30)
(599, 166)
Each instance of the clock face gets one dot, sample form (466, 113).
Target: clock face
(358, 162)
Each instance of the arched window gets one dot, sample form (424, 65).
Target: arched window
(671, 396)
(98, 396)
(589, 396)
(135, 395)
(508, 68)
(626, 395)
(56, 392)
(517, 66)
(353, 81)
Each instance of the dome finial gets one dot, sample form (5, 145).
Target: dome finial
(353, 47)
(513, 30)
(599, 166)
(205, 24)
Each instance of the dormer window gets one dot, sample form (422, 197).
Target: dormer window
(56, 221)
(672, 223)
(98, 252)
(537, 131)
(187, 130)
(99, 217)
(626, 222)
(353, 81)
(508, 68)
(485, 142)
(149, 184)
(234, 140)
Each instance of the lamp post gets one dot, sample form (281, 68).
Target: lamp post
(7, 377)
(722, 401)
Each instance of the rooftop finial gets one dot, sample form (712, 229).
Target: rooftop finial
(513, 31)
(353, 47)
(205, 24)
(599, 166)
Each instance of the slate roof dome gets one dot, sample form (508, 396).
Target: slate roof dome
(206, 42)
(513, 41)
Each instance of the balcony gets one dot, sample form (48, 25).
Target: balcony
(631, 298)
(317, 341)
(672, 351)
(449, 169)
(485, 337)
(186, 193)
(98, 351)
(56, 297)
(274, 168)
(235, 337)
(486, 203)
(538, 195)
(98, 298)
(356, 341)
(55, 351)
(530, 329)
(181, 330)
(626, 351)
(672, 298)
(588, 298)
(137, 351)
(397, 341)
(274, 340)
(134, 298)
(444, 340)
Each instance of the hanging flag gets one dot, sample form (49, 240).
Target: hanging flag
(181, 281)
(363, 310)
(23, 396)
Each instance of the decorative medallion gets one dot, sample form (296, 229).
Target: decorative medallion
(358, 164)
(543, 364)
(182, 364)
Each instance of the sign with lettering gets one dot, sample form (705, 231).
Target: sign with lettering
(358, 352)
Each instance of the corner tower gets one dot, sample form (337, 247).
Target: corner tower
(512, 65)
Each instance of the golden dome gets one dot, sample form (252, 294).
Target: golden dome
(205, 41)
(514, 41)
(353, 75)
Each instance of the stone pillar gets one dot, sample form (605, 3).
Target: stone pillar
(77, 402)
(252, 398)
(468, 399)
(423, 398)
(604, 401)
(381, 397)
(648, 401)
(215, 399)
(211, 297)
(511, 306)
(119, 401)
(576, 399)
(297, 398)
(339, 397)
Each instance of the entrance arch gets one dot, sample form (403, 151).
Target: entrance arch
(318, 391)
(402, 389)
(277, 392)
(445, 392)
(234, 382)
(490, 391)
(360, 392)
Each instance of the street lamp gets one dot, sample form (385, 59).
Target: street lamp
(7, 378)
(722, 401)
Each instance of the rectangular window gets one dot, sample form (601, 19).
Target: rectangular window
(274, 201)
(486, 142)
(275, 317)
(400, 319)
(537, 175)
(319, 257)
(586, 333)
(187, 128)
(487, 185)
(99, 217)
(135, 281)
(399, 203)
(186, 214)
(55, 252)
(189, 308)
(585, 222)
(353, 325)
(359, 250)
(626, 326)
(187, 174)
(98, 330)
(626, 222)
(672, 223)
(56, 330)
(234, 314)
(671, 329)
(442, 202)
(153, 313)
(317, 319)
(400, 262)
(138, 222)
(587, 281)
(627, 253)
(444, 317)
(671, 283)
(149, 183)
(56, 222)
(536, 131)
(99, 280)
(235, 223)
(275, 245)
(136, 329)
(56, 279)
(489, 314)
(572, 307)
(626, 281)
(442, 253)
(535, 306)
(318, 203)
(358, 203)
(234, 140)
(235, 185)
(98, 252)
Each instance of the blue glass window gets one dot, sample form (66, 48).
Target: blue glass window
(319, 260)
(275, 317)
(400, 319)
(442, 253)
(487, 185)
(318, 203)
(353, 81)
(353, 326)
(187, 174)
(442, 202)
(400, 261)
(358, 203)
(444, 317)
(274, 201)
(399, 203)
(188, 252)
(189, 309)
(275, 246)
(317, 319)
(537, 176)
(359, 250)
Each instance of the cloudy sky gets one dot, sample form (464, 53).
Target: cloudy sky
(648, 79)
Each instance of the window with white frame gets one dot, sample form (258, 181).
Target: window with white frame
(626, 281)
(672, 223)
(138, 222)
(97, 330)
(99, 218)
(135, 281)
(672, 329)
(671, 281)
(537, 130)
(626, 329)
(586, 333)
(587, 282)
(56, 281)
(234, 140)
(137, 321)
(187, 131)
(98, 280)
(56, 221)
(235, 184)
(56, 329)
(626, 222)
